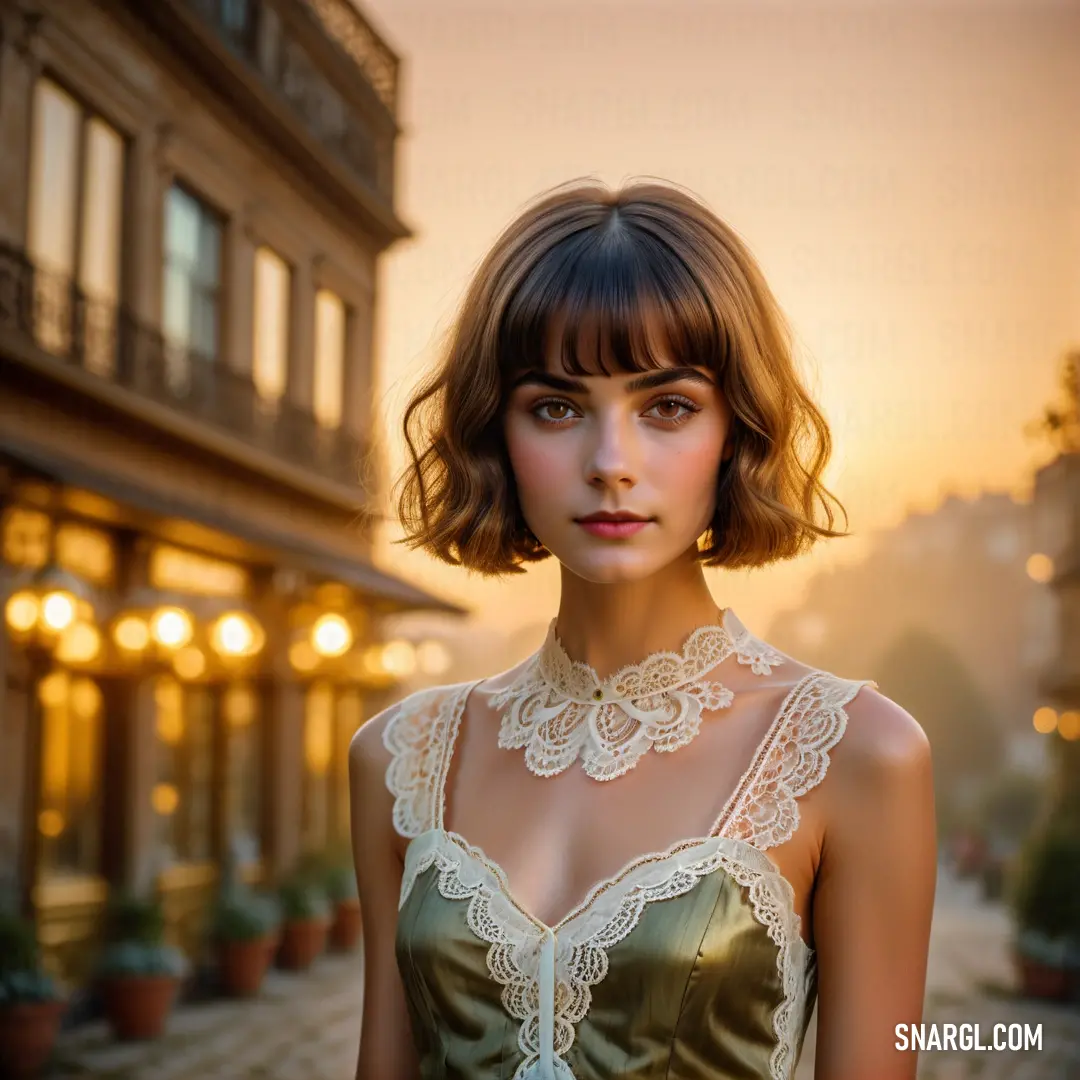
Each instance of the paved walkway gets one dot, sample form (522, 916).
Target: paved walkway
(305, 1027)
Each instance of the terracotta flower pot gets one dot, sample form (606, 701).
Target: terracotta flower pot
(137, 1006)
(1041, 980)
(28, 1033)
(301, 941)
(346, 927)
(242, 964)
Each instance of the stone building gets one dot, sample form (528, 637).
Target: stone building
(193, 198)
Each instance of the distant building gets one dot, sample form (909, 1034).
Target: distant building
(1057, 505)
(964, 573)
(193, 198)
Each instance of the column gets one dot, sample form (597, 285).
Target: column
(239, 309)
(359, 373)
(285, 729)
(141, 855)
(300, 388)
(151, 178)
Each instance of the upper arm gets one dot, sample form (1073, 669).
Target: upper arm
(874, 896)
(386, 1046)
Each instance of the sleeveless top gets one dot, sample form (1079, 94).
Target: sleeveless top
(688, 964)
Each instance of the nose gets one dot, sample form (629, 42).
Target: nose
(612, 454)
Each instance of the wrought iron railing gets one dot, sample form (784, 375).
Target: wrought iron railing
(48, 310)
(256, 33)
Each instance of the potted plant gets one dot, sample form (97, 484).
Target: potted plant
(139, 974)
(305, 914)
(245, 931)
(31, 1005)
(1045, 889)
(340, 884)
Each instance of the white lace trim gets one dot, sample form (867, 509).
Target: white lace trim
(420, 737)
(792, 760)
(762, 813)
(516, 941)
(560, 711)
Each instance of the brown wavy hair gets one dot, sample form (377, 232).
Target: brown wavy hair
(601, 269)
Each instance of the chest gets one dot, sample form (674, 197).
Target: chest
(557, 839)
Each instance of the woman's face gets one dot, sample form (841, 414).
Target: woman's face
(647, 444)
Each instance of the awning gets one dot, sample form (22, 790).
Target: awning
(297, 552)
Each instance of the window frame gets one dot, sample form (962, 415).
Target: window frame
(221, 294)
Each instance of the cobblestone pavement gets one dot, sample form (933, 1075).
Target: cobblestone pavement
(305, 1027)
(970, 980)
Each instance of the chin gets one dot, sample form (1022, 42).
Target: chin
(610, 567)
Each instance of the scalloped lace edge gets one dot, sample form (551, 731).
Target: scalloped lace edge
(514, 940)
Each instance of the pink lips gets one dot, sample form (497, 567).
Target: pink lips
(613, 530)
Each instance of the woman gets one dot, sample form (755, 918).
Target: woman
(644, 851)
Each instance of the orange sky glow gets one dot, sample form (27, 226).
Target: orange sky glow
(908, 175)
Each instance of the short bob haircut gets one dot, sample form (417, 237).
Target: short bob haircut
(601, 267)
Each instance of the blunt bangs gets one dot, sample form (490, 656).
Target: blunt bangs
(598, 282)
(610, 297)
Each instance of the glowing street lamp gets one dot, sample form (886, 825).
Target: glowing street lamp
(171, 627)
(331, 635)
(237, 634)
(50, 601)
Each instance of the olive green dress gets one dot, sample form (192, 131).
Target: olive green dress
(687, 965)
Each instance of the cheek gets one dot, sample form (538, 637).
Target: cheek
(535, 466)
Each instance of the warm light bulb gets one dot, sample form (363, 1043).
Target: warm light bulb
(1040, 568)
(85, 698)
(399, 657)
(302, 656)
(233, 635)
(171, 627)
(432, 657)
(21, 612)
(53, 690)
(1045, 720)
(165, 799)
(189, 663)
(78, 644)
(58, 610)
(131, 633)
(331, 635)
(1069, 725)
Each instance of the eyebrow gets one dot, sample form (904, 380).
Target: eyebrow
(648, 381)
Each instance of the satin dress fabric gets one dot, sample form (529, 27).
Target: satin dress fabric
(713, 982)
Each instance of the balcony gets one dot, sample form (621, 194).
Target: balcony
(46, 313)
(312, 76)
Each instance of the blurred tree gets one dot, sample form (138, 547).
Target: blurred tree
(1060, 422)
(1060, 426)
(921, 673)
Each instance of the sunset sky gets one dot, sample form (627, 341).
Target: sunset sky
(907, 173)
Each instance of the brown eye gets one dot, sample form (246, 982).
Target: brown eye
(557, 411)
(673, 410)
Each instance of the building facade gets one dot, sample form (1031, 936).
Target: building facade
(193, 198)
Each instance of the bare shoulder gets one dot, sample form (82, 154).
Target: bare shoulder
(884, 748)
(369, 744)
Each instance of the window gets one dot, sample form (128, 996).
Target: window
(318, 755)
(74, 228)
(69, 805)
(237, 19)
(270, 359)
(331, 718)
(182, 796)
(192, 301)
(330, 330)
(243, 772)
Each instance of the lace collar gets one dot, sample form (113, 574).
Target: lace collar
(559, 709)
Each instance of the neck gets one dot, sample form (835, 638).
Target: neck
(609, 626)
